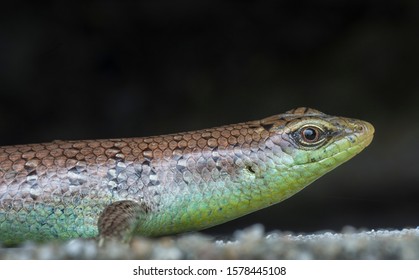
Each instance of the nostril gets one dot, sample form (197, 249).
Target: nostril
(360, 128)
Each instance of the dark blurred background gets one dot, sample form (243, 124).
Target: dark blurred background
(106, 69)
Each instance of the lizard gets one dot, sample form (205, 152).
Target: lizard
(168, 184)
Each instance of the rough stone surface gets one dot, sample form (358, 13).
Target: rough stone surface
(250, 243)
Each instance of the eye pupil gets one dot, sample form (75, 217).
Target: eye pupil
(310, 134)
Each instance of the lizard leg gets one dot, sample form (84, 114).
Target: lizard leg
(119, 220)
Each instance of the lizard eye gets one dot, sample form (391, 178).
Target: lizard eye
(310, 135)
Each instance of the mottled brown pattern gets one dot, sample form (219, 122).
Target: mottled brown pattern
(21, 160)
(23, 166)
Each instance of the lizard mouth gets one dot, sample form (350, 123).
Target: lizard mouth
(367, 132)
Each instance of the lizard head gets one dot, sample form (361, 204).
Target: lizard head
(308, 143)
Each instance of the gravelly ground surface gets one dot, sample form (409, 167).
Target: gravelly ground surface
(250, 243)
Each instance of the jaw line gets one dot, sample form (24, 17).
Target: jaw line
(361, 143)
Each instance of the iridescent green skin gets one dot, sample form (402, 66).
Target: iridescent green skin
(180, 182)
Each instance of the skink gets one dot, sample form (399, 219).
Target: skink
(162, 185)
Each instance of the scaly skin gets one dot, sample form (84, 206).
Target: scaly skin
(168, 184)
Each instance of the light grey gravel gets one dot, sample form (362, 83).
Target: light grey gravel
(250, 243)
